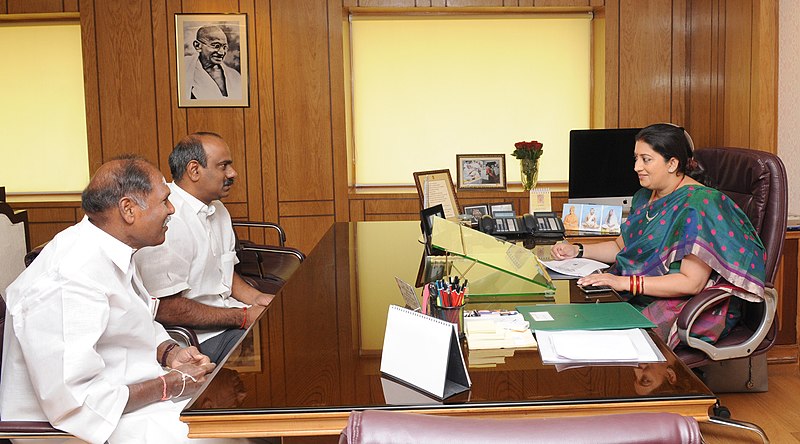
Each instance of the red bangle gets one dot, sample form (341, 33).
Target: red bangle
(641, 285)
(164, 389)
(164, 355)
(244, 321)
(631, 285)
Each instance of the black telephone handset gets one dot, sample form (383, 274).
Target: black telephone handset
(539, 224)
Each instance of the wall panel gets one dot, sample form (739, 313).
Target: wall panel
(303, 125)
(645, 65)
(125, 77)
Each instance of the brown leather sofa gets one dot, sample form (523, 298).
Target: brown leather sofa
(384, 427)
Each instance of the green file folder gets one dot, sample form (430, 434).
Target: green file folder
(607, 316)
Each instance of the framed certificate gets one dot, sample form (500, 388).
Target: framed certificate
(436, 187)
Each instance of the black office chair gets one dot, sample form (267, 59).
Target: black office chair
(266, 267)
(756, 181)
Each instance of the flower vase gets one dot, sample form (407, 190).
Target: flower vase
(529, 173)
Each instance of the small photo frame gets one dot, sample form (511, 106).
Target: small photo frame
(211, 51)
(481, 171)
(476, 212)
(504, 209)
(590, 218)
(427, 215)
(436, 187)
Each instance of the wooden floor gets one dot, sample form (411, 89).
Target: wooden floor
(777, 411)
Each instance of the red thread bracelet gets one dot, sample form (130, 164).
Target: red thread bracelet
(244, 321)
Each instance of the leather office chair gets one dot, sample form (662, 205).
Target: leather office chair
(14, 243)
(382, 426)
(756, 181)
(266, 267)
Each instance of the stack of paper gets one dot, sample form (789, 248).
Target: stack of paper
(597, 347)
(493, 336)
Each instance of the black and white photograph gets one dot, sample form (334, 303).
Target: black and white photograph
(476, 171)
(476, 212)
(212, 60)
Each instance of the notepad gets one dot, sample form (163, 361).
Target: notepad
(424, 353)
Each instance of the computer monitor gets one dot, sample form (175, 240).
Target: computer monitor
(601, 166)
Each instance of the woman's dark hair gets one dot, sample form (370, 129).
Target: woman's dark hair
(673, 141)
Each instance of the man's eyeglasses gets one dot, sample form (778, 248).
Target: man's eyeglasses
(215, 46)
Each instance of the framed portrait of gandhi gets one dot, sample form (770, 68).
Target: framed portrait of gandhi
(211, 52)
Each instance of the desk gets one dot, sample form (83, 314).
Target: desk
(316, 355)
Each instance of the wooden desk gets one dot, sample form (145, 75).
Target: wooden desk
(315, 355)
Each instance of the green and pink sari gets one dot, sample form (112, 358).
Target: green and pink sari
(696, 220)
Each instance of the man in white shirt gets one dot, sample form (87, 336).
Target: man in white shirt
(81, 348)
(192, 271)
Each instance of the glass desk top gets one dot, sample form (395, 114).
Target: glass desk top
(315, 354)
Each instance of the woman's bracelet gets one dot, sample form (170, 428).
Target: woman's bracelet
(165, 354)
(580, 250)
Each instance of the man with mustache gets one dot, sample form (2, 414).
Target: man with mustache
(192, 271)
(207, 76)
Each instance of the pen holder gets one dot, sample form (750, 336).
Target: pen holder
(453, 315)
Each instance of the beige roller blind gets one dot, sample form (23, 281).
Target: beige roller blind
(424, 89)
(43, 118)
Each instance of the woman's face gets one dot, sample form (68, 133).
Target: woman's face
(651, 167)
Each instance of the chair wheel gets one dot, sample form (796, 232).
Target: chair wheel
(722, 412)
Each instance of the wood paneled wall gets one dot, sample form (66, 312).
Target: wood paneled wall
(707, 64)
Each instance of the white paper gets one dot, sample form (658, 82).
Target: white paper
(646, 350)
(578, 266)
(438, 192)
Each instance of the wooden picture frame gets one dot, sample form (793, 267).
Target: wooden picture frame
(436, 187)
(481, 171)
(222, 40)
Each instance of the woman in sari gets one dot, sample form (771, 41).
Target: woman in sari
(681, 236)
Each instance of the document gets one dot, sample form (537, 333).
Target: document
(438, 192)
(601, 347)
(578, 266)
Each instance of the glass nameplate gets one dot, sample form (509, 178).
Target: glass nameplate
(492, 266)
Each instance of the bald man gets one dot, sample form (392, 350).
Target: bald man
(207, 76)
(82, 349)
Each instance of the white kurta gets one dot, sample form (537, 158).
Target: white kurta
(197, 258)
(76, 334)
(200, 84)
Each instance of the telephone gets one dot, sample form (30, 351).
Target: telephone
(546, 224)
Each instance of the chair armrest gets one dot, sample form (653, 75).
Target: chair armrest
(183, 334)
(247, 246)
(29, 429)
(256, 224)
(707, 299)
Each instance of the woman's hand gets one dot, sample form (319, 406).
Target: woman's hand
(563, 250)
(618, 283)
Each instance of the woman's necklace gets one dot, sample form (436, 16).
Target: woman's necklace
(652, 198)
